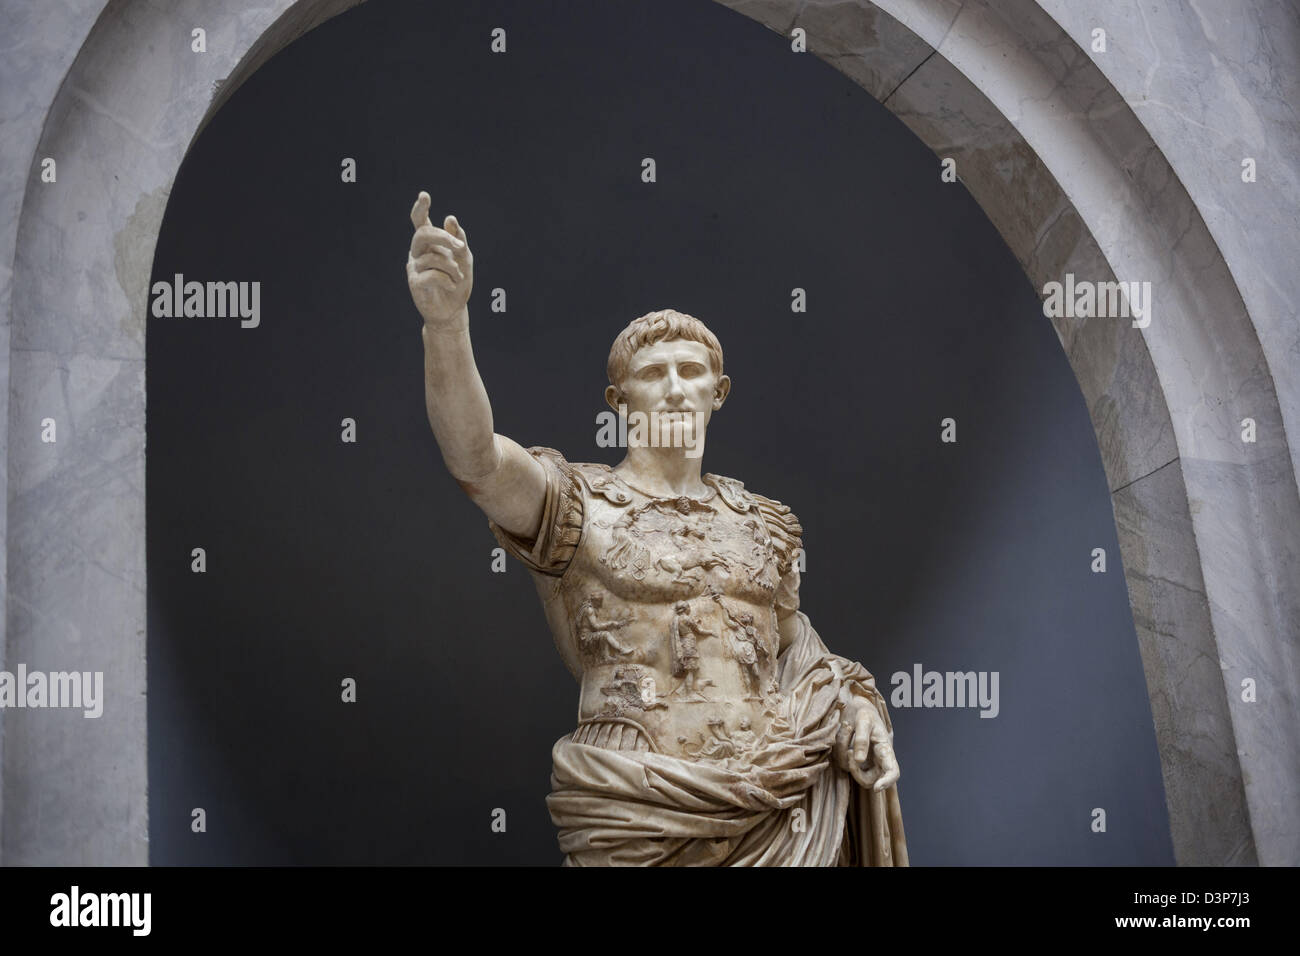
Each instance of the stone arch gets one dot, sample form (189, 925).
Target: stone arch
(1070, 177)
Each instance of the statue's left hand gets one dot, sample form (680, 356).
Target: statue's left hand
(865, 748)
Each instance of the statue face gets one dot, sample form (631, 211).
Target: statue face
(673, 381)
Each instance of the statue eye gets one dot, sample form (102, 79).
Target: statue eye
(649, 373)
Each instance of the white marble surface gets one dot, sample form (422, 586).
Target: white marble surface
(119, 127)
(1210, 366)
(1214, 82)
(1043, 227)
(868, 46)
(41, 41)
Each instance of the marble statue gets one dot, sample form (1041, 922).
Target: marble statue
(714, 726)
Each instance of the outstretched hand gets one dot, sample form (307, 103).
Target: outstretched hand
(439, 266)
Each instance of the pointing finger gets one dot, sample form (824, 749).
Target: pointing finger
(420, 211)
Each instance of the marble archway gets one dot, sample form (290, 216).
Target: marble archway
(1068, 173)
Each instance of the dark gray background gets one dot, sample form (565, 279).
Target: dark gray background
(329, 560)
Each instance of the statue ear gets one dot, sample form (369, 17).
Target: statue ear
(614, 398)
(721, 392)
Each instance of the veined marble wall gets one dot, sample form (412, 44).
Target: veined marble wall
(1118, 164)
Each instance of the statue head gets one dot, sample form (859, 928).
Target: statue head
(667, 365)
(682, 607)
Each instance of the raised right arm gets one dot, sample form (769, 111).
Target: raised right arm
(498, 475)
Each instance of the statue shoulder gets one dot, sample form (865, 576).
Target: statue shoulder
(781, 522)
(563, 512)
(562, 476)
(600, 480)
(549, 456)
(580, 476)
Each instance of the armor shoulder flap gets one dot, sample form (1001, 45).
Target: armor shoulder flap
(781, 523)
(562, 517)
(601, 480)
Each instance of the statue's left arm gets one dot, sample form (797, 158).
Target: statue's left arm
(865, 745)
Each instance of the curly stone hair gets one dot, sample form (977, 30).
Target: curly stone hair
(660, 326)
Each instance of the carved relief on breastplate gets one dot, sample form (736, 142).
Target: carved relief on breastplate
(672, 604)
(673, 547)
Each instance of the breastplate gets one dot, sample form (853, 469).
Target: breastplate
(669, 605)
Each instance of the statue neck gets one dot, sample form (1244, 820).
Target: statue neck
(662, 472)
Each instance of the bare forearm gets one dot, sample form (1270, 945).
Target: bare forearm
(457, 403)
